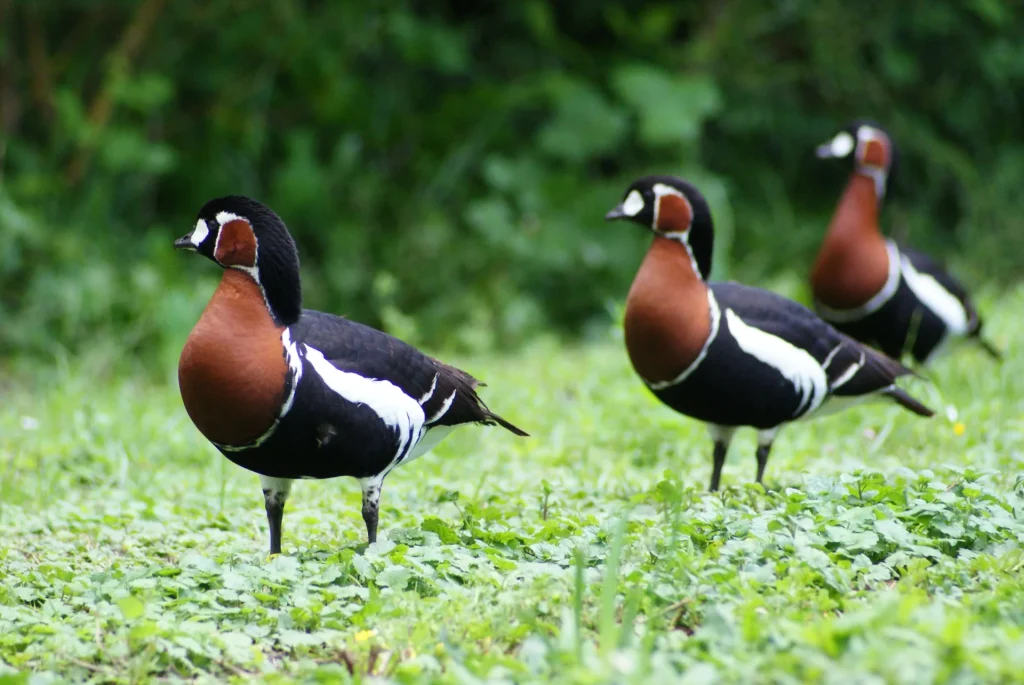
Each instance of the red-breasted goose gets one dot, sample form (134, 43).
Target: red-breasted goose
(728, 354)
(292, 393)
(872, 288)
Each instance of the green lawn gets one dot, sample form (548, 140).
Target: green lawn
(888, 550)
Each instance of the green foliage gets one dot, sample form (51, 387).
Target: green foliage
(445, 166)
(888, 548)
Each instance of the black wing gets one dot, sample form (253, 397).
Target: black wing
(450, 393)
(851, 367)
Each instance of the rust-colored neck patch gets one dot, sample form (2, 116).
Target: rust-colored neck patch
(674, 214)
(668, 319)
(236, 244)
(875, 152)
(853, 263)
(233, 371)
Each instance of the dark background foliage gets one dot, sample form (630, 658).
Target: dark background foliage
(445, 166)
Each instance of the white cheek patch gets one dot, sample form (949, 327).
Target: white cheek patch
(842, 144)
(633, 204)
(200, 233)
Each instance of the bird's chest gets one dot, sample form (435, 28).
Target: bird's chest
(233, 370)
(853, 264)
(851, 271)
(667, 323)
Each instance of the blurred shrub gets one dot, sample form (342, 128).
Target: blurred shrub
(444, 166)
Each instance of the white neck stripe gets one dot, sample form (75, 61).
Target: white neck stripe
(876, 174)
(295, 369)
(892, 282)
(683, 239)
(716, 316)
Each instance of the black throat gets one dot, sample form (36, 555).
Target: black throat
(278, 269)
(701, 236)
(701, 245)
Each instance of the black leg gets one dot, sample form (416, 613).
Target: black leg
(275, 494)
(716, 470)
(275, 512)
(371, 505)
(722, 436)
(762, 460)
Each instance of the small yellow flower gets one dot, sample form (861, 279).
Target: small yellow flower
(364, 635)
(959, 428)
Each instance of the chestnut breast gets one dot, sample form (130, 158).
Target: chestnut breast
(233, 371)
(667, 317)
(853, 263)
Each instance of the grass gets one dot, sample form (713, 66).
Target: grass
(888, 548)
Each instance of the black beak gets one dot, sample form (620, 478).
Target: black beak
(184, 243)
(616, 213)
(824, 151)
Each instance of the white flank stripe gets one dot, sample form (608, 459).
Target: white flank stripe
(943, 303)
(429, 393)
(795, 364)
(396, 409)
(849, 373)
(291, 351)
(828, 360)
(199, 233)
(444, 408)
(892, 282)
(715, 318)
